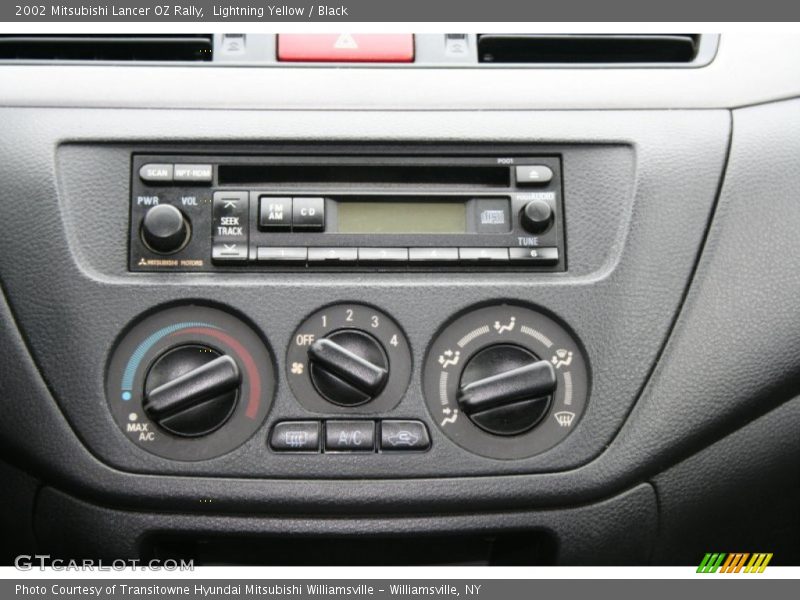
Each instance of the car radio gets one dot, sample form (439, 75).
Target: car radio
(351, 212)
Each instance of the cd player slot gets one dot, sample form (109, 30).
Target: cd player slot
(343, 175)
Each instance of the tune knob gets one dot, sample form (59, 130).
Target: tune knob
(348, 367)
(505, 389)
(164, 229)
(191, 390)
(537, 216)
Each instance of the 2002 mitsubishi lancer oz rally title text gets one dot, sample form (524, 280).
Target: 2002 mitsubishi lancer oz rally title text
(184, 10)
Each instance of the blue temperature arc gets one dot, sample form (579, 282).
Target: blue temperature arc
(136, 358)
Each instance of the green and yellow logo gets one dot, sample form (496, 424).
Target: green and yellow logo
(735, 562)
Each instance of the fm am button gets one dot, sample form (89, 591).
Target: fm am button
(346, 47)
(275, 214)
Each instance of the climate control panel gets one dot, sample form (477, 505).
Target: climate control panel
(195, 382)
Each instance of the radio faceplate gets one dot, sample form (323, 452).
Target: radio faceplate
(347, 212)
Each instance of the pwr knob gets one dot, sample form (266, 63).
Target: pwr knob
(164, 229)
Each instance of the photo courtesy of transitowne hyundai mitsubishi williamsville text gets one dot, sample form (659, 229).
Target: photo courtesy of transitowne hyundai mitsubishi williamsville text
(209, 591)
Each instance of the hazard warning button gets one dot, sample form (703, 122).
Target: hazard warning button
(346, 47)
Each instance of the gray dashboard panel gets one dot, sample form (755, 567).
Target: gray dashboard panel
(749, 68)
(637, 212)
(636, 215)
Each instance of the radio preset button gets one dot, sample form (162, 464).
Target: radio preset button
(483, 254)
(275, 214)
(533, 174)
(193, 173)
(541, 256)
(433, 254)
(308, 214)
(156, 173)
(332, 255)
(282, 255)
(349, 436)
(382, 255)
(295, 436)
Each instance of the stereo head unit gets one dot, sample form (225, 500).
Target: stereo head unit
(260, 213)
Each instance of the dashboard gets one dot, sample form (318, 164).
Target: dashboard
(274, 302)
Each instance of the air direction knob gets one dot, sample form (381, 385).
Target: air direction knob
(505, 389)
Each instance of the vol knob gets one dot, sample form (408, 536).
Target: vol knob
(537, 216)
(505, 389)
(164, 229)
(191, 390)
(349, 367)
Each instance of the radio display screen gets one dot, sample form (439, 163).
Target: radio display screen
(402, 217)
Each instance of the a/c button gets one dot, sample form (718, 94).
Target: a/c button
(349, 436)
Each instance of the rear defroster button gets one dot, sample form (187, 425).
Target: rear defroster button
(295, 436)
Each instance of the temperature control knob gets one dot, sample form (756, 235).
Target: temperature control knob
(164, 229)
(191, 390)
(348, 367)
(505, 389)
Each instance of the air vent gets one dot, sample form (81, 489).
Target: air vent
(587, 49)
(106, 48)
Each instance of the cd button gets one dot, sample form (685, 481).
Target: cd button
(432, 254)
(282, 255)
(483, 254)
(275, 214)
(382, 255)
(540, 256)
(332, 255)
(308, 214)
